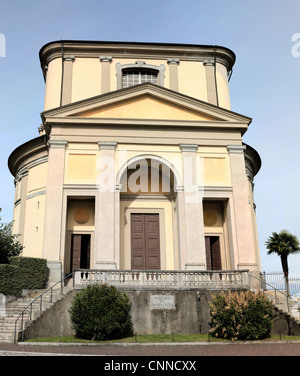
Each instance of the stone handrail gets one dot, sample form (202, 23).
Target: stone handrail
(160, 279)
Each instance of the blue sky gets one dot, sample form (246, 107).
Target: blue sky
(265, 84)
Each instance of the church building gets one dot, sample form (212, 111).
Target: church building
(139, 162)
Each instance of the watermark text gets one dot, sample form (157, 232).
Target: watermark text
(296, 46)
(2, 45)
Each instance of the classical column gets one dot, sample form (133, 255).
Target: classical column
(212, 95)
(66, 95)
(246, 258)
(105, 247)
(173, 73)
(195, 244)
(105, 73)
(54, 207)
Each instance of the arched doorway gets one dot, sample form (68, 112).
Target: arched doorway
(148, 215)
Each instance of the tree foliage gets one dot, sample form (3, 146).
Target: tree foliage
(9, 245)
(283, 244)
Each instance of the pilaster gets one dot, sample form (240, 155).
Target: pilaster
(173, 73)
(193, 207)
(66, 95)
(246, 258)
(105, 73)
(105, 214)
(54, 200)
(212, 95)
(23, 179)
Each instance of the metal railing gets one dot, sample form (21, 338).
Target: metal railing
(162, 279)
(278, 281)
(267, 287)
(30, 306)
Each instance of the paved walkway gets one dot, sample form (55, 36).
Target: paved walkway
(280, 348)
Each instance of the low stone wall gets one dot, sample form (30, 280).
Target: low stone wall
(153, 312)
(54, 322)
(165, 312)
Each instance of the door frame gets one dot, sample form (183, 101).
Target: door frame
(68, 261)
(127, 234)
(224, 261)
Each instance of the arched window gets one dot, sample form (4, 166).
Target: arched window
(134, 76)
(138, 73)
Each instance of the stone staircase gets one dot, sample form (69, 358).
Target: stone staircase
(15, 306)
(290, 307)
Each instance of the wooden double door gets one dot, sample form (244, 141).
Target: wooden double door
(80, 251)
(145, 242)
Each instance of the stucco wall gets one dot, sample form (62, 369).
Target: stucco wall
(86, 75)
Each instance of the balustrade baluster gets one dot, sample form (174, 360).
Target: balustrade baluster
(172, 280)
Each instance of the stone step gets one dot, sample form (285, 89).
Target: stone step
(14, 308)
(7, 338)
(287, 306)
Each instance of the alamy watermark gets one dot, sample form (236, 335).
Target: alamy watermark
(148, 175)
(296, 46)
(2, 45)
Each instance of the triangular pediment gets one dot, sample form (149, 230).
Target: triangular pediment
(145, 103)
(146, 107)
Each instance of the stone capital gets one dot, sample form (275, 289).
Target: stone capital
(69, 58)
(57, 144)
(107, 145)
(179, 188)
(173, 61)
(208, 62)
(236, 149)
(118, 187)
(104, 59)
(188, 147)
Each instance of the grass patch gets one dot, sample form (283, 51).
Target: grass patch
(156, 338)
(146, 338)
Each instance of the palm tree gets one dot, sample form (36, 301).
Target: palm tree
(283, 244)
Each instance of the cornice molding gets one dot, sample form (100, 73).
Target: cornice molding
(35, 149)
(135, 50)
(252, 162)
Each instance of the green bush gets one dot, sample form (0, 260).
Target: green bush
(241, 316)
(34, 271)
(22, 273)
(101, 312)
(9, 280)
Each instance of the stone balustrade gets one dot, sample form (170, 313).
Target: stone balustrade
(177, 280)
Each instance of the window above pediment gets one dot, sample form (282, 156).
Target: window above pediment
(138, 73)
(132, 77)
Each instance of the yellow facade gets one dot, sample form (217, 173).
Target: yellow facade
(97, 136)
